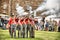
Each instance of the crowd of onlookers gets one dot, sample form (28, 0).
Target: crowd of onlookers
(3, 22)
(48, 25)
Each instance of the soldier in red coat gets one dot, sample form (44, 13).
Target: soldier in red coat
(12, 26)
(32, 28)
(30, 24)
(27, 26)
(20, 27)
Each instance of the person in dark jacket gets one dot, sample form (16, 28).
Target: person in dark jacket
(59, 26)
(0, 22)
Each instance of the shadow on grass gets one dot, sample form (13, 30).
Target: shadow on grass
(3, 37)
(58, 36)
(30, 38)
(6, 37)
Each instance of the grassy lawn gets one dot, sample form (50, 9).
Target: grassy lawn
(39, 35)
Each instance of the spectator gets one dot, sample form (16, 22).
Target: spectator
(42, 25)
(55, 26)
(47, 25)
(50, 25)
(0, 22)
(59, 26)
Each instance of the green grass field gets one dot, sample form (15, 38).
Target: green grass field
(39, 35)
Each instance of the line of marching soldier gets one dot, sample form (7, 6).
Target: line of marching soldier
(23, 24)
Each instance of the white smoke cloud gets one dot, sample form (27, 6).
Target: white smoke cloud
(41, 7)
(49, 4)
(53, 6)
(19, 9)
(49, 12)
(51, 16)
